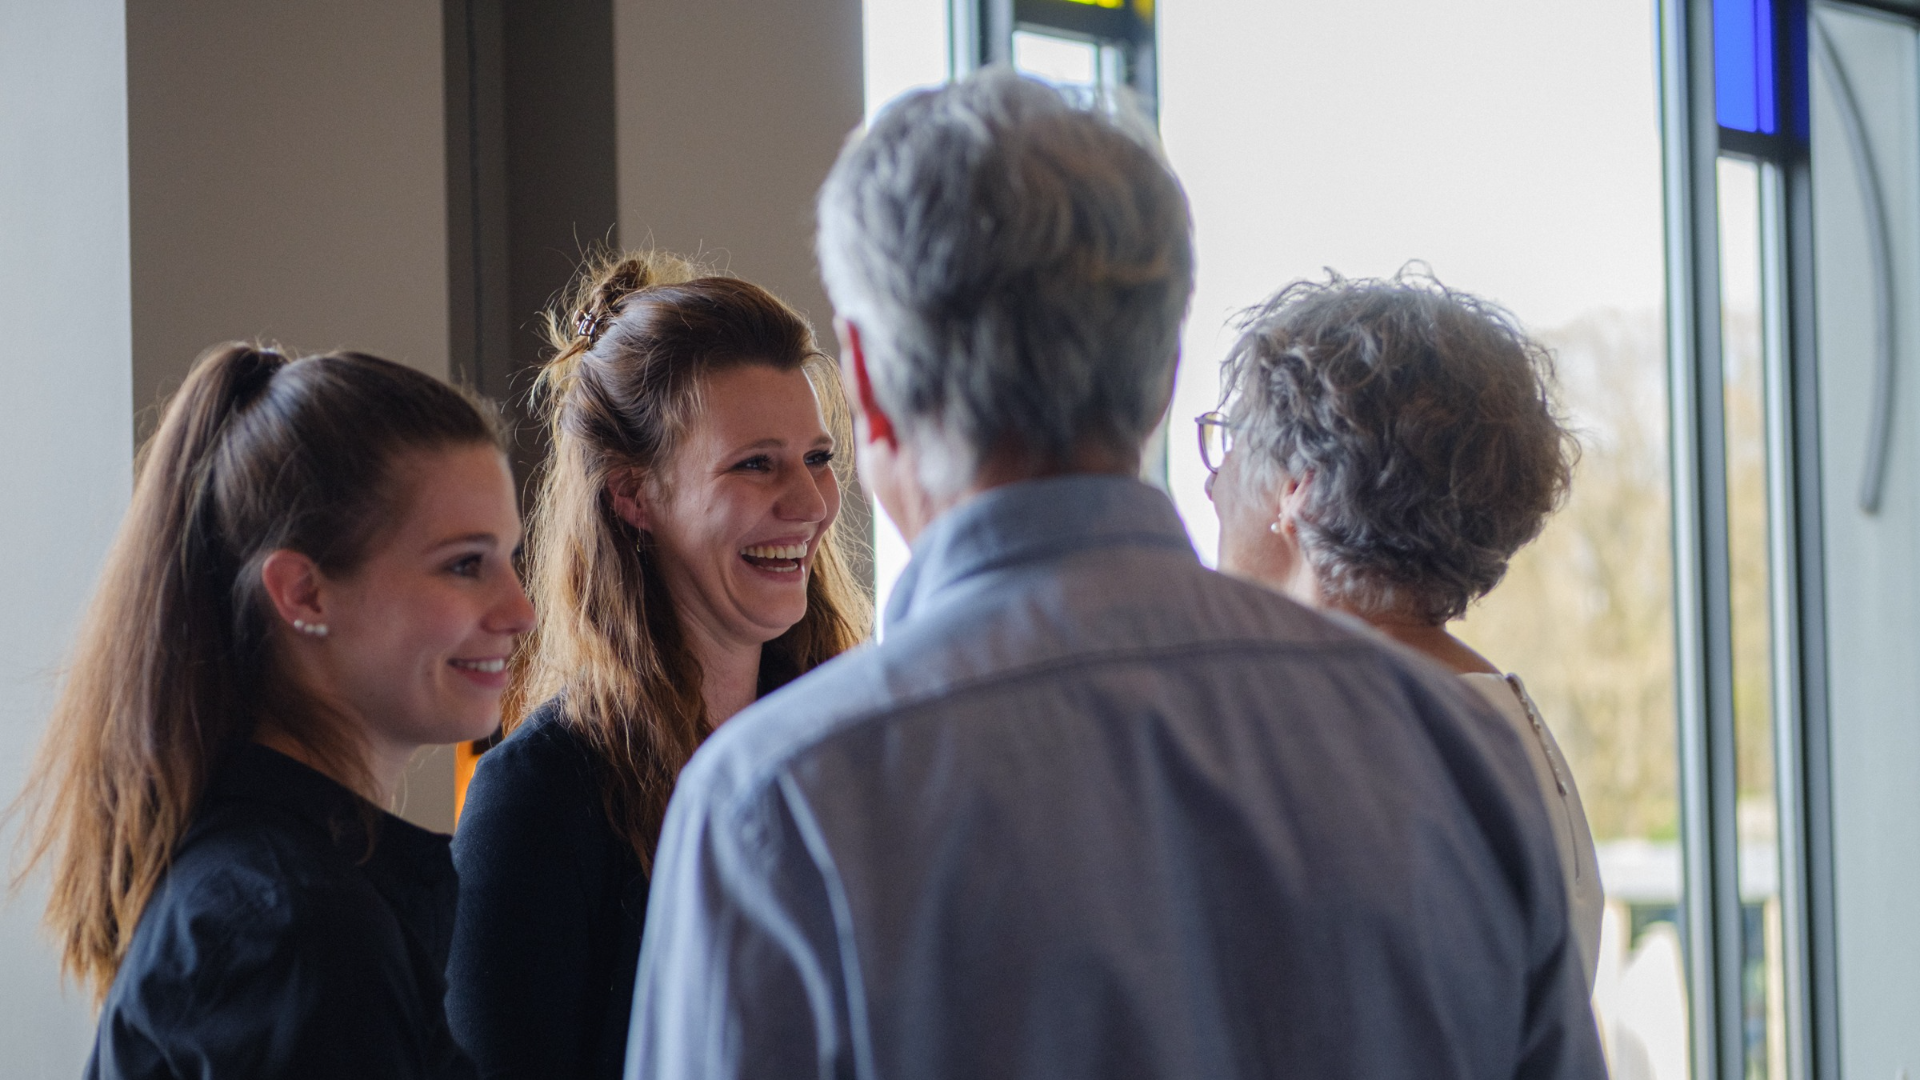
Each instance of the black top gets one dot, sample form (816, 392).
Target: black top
(552, 901)
(279, 945)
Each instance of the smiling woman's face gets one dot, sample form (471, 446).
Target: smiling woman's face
(420, 631)
(743, 506)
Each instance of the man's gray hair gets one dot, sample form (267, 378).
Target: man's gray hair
(1018, 264)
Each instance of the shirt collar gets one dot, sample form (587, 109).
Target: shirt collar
(381, 842)
(1030, 521)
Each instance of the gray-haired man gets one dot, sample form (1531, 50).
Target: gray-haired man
(1090, 810)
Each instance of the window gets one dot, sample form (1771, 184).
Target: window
(908, 46)
(1477, 137)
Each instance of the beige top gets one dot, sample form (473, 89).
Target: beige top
(1578, 864)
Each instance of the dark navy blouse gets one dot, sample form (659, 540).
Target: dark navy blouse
(552, 900)
(281, 943)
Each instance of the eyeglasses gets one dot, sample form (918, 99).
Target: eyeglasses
(1216, 439)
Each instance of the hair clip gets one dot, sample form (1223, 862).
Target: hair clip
(590, 325)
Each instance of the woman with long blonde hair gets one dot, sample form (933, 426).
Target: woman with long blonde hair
(684, 562)
(315, 578)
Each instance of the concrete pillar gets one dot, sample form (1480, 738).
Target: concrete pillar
(288, 180)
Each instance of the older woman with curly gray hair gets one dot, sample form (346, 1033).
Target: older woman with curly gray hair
(1384, 448)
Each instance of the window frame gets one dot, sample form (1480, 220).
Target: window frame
(1693, 142)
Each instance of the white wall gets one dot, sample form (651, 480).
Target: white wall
(65, 375)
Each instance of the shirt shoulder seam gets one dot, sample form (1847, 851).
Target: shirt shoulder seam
(765, 774)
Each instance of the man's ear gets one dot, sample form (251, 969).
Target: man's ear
(627, 491)
(853, 360)
(292, 582)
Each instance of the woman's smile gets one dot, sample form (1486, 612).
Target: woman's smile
(490, 673)
(785, 560)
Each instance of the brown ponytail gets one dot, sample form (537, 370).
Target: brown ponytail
(633, 346)
(173, 667)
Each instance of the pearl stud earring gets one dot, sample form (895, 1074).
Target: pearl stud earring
(317, 629)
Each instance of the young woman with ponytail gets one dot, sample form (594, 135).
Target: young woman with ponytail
(683, 562)
(314, 580)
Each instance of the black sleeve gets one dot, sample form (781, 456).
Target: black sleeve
(518, 994)
(313, 987)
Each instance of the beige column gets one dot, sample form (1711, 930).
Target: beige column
(288, 183)
(288, 180)
(730, 113)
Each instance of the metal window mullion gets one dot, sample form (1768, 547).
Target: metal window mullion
(992, 26)
(1796, 511)
(963, 38)
(1702, 576)
(1818, 1010)
(1777, 318)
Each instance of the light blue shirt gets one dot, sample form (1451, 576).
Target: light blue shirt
(1093, 810)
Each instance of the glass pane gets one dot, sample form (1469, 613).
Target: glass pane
(906, 46)
(1743, 67)
(1058, 60)
(1456, 149)
(1744, 388)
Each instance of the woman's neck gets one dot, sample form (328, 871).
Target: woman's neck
(1434, 642)
(387, 765)
(729, 673)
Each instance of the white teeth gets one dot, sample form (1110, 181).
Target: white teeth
(489, 667)
(770, 551)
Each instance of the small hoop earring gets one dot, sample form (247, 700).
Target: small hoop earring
(315, 629)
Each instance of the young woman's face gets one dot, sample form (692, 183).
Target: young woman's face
(420, 632)
(743, 506)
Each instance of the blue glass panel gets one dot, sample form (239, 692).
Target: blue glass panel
(1743, 65)
(1733, 82)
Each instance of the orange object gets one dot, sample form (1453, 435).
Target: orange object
(465, 756)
